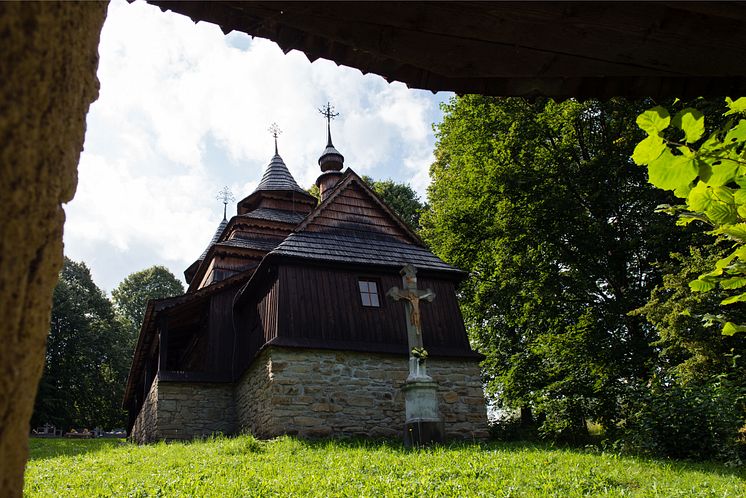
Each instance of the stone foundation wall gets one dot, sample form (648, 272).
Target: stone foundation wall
(189, 410)
(175, 410)
(317, 393)
(312, 393)
(144, 429)
(253, 395)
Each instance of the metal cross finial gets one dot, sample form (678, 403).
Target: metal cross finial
(328, 112)
(225, 196)
(275, 131)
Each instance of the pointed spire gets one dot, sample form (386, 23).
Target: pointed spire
(277, 176)
(331, 159)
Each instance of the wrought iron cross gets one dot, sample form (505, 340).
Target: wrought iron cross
(412, 297)
(328, 112)
(225, 196)
(276, 132)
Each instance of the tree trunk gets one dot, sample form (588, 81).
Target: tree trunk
(47, 82)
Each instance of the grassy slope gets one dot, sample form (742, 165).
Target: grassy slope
(245, 467)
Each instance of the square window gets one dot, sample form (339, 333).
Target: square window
(369, 293)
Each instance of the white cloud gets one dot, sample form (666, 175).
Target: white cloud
(183, 110)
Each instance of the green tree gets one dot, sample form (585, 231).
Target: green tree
(314, 191)
(557, 228)
(688, 350)
(400, 198)
(87, 357)
(707, 169)
(132, 295)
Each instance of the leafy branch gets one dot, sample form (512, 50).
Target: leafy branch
(711, 178)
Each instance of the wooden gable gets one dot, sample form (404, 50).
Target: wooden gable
(354, 208)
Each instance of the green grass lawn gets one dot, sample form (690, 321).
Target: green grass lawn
(242, 466)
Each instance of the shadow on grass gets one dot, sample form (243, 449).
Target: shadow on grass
(45, 448)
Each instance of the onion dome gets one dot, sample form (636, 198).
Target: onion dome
(331, 159)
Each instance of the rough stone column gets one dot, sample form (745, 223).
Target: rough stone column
(47, 81)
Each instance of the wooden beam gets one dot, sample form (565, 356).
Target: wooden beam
(559, 49)
(162, 341)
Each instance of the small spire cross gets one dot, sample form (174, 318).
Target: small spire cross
(328, 112)
(225, 196)
(276, 132)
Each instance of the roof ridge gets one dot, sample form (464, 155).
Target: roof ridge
(215, 238)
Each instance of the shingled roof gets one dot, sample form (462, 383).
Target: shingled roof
(278, 177)
(276, 215)
(253, 243)
(372, 250)
(215, 238)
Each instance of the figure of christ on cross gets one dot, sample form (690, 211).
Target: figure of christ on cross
(412, 297)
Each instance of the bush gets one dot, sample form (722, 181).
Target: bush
(693, 421)
(512, 429)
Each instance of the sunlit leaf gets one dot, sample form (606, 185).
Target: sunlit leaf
(735, 106)
(700, 197)
(740, 298)
(721, 213)
(654, 120)
(692, 122)
(701, 285)
(736, 134)
(721, 174)
(683, 191)
(731, 328)
(671, 172)
(737, 231)
(722, 263)
(648, 150)
(733, 283)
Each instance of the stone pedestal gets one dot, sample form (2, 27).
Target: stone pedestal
(423, 423)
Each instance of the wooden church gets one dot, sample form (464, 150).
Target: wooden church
(286, 328)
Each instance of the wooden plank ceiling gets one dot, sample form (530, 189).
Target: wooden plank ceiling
(558, 49)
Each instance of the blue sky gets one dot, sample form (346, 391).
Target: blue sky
(184, 110)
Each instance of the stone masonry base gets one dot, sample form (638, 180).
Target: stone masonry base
(313, 393)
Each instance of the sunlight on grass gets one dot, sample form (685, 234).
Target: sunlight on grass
(243, 466)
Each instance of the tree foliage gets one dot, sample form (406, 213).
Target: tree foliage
(132, 295)
(687, 348)
(87, 357)
(400, 197)
(707, 171)
(557, 228)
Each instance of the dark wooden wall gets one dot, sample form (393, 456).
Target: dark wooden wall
(256, 323)
(321, 306)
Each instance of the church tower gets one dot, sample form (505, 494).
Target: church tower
(264, 218)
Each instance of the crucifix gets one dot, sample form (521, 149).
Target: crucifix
(412, 297)
(225, 196)
(328, 112)
(423, 423)
(276, 132)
